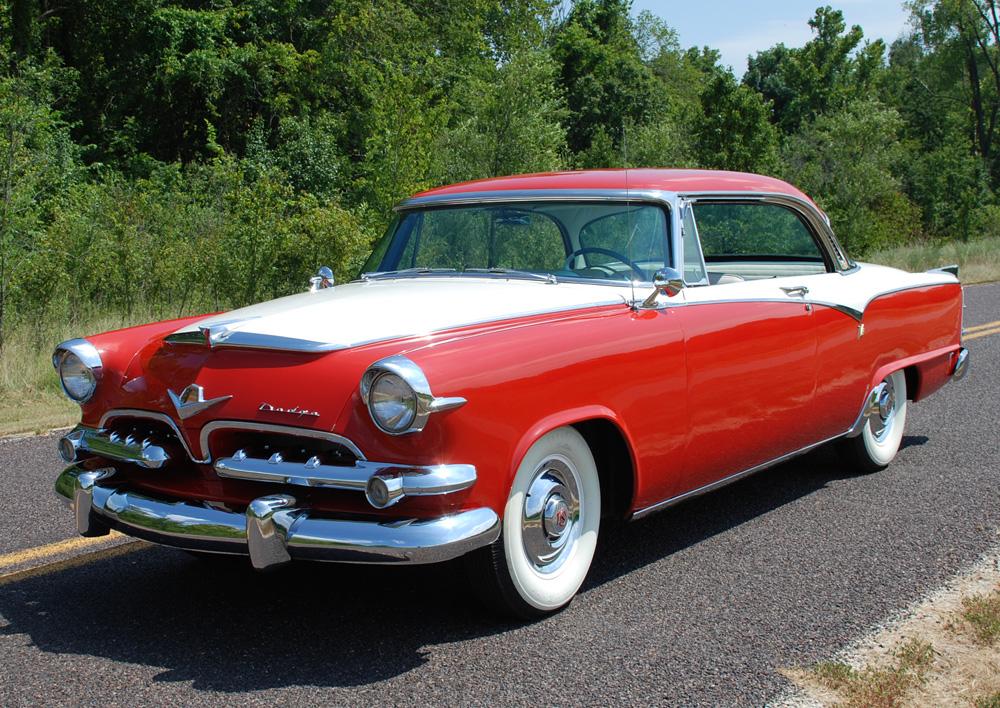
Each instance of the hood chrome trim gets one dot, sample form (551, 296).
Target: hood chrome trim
(252, 340)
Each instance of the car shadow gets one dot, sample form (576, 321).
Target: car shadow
(222, 627)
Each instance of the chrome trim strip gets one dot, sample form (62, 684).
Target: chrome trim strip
(308, 346)
(849, 311)
(659, 506)
(656, 196)
(416, 480)
(210, 428)
(869, 406)
(273, 529)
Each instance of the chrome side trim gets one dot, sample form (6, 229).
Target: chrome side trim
(869, 407)
(112, 446)
(210, 428)
(659, 506)
(250, 340)
(655, 196)
(411, 480)
(274, 528)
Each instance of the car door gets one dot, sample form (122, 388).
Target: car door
(750, 335)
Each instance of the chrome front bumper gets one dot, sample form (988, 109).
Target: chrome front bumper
(273, 531)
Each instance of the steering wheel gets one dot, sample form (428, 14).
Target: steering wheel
(604, 252)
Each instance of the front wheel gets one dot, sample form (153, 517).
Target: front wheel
(550, 526)
(882, 435)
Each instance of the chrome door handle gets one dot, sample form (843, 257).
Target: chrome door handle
(796, 290)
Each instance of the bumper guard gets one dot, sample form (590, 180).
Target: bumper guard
(274, 530)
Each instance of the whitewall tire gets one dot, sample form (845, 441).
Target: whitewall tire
(882, 433)
(550, 527)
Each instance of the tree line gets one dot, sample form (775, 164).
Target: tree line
(164, 156)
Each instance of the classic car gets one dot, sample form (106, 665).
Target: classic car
(518, 359)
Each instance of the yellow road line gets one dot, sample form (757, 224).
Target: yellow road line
(54, 549)
(981, 333)
(119, 549)
(988, 325)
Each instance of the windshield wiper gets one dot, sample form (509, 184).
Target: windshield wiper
(404, 272)
(547, 277)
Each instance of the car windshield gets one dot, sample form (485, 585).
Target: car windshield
(565, 240)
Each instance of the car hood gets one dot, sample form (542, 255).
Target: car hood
(364, 312)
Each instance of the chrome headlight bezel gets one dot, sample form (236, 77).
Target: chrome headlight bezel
(403, 370)
(78, 352)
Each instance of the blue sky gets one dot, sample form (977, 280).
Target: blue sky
(739, 28)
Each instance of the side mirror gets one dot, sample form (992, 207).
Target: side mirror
(666, 281)
(322, 279)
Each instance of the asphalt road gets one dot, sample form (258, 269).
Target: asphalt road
(700, 604)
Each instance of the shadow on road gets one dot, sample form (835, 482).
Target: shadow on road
(225, 628)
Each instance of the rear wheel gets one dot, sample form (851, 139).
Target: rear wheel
(882, 434)
(550, 527)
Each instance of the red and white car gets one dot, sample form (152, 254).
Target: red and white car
(520, 358)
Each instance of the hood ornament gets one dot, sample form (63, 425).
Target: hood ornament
(192, 401)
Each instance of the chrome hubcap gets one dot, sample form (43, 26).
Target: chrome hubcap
(881, 424)
(550, 522)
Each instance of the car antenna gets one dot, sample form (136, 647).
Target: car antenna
(628, 214)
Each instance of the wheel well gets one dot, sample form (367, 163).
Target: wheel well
(614, 465)
(912, 375)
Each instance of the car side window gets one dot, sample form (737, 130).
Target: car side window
(637, 232)
(749, 241)
(694, 265)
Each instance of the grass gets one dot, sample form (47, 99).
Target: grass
(978, 261)
(30, 397)
(878, 687)
(989, 701)
(982, 615)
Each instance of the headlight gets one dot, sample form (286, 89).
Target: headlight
(79, 367)
(392, 402)
(398, 396)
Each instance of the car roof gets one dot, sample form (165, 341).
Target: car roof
(667, 180)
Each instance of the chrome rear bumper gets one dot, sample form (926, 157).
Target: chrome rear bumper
(273, 531)
(961, 365)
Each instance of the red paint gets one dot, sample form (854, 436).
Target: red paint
(699, 392)
(684, 181)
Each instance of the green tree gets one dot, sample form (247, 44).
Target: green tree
(602, 72)
(848, 161)
(37, 160)
(510, 122)
(825, 74)
(734, 132)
